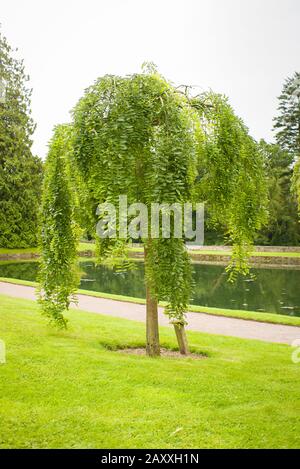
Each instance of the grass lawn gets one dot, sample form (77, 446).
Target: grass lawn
(91, 247)
(276, 254)
(254, 253)
(71, 389)
(86, 247)
(82, 247)
(19, 251)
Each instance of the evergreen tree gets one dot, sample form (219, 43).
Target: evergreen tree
(20, 171)
(287, 123)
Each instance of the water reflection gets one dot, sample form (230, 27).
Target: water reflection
(273, 290)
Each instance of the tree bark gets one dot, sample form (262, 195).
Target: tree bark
(181, 339)
(152, 331)
(152, 334)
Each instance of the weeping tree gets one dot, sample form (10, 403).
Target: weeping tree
(58, 273)
(141, 137)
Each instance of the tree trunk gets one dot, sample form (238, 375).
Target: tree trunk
(181, 339)
(152, 333)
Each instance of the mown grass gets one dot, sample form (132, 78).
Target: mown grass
(211, 252)
(276, 254)
(271, 318)
(84, 247)
(70, 389)
(19, 251)
(254, 253)
(81, 247)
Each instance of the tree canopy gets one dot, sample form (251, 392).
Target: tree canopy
(139, 135)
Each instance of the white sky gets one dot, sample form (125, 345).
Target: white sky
(242, 48)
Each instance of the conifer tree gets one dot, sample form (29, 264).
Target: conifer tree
(287, 123)
(20, 171)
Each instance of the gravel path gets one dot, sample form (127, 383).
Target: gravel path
(196, 321)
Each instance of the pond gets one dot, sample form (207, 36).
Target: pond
(274, 290)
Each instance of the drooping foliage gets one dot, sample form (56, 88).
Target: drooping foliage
(232, 178)
(58, 273)
(20, 171)
(140, 136)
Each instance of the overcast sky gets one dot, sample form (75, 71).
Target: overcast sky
(242, 48)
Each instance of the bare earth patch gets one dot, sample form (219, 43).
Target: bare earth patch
(164, 352)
